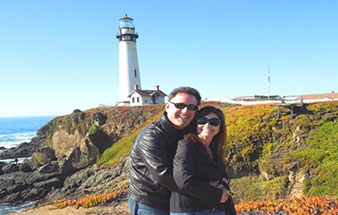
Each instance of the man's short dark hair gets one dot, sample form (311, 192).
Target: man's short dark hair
(186, 90)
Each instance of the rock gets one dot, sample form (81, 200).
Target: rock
(20, 177)
(100, 118)
(24, 149)
(101, 140)
(83, 156)
(2, 148)
(78, 178)
(51, 167)
(78, 117)
(16, 188)
(42, 156)
(77, 111)
(10, 168)
(65, 165)
(50, 183)
(14, 198)
(2, 164)
(25, 166)
(33, 194)
(3, 193)
(6, 183)
(35, 177)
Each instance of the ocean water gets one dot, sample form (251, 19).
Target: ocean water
(13, 131)
(7, 208)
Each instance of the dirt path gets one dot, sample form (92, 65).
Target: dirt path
(121, 209)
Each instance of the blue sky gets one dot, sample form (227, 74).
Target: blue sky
(61, 55)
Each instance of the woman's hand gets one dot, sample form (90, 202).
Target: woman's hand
(225, 196)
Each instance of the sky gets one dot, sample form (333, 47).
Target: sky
(61, 55)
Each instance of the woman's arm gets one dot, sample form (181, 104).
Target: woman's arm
(187, 179)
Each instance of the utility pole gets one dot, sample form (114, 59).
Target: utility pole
(268, 81)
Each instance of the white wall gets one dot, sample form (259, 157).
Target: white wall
(128, 61)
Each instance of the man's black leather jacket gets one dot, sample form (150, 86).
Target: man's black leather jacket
(151, 164)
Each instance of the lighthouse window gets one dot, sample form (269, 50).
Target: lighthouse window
(138, 99)
(135, 73)
(133, 100)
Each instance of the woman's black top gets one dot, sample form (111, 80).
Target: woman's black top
(193, 170)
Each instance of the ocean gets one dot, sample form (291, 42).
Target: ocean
(7, 208)
(13, 131)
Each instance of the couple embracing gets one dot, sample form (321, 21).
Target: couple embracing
(177, 163)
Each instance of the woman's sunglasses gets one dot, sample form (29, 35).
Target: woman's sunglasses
(212, 121)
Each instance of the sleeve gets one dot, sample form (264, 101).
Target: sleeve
(187, 179)
(153, 150)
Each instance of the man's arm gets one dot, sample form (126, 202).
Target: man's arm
(153, 150)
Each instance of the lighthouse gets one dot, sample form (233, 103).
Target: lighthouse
(129, 74)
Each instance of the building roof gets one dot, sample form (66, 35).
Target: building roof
(318, 96)
(148, 92)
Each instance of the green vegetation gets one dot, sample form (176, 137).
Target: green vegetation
(321, 156)
(93, 129)
(119, 149)
(123, 146)
(257, 187)
(68, 124)
(260, 144)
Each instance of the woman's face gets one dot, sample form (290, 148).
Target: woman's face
(208, 126)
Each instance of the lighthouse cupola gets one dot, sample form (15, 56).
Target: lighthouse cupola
(129, 74)
(127, 29)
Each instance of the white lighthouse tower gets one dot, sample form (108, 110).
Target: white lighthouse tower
(129, 74)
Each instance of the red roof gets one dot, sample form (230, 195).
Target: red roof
(148, 92)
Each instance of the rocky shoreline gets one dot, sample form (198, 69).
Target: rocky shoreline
(47, 183)
(63, 155)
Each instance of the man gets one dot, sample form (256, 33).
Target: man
(151, 158)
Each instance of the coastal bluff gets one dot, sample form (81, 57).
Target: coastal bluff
(280, 152)
(64, 153)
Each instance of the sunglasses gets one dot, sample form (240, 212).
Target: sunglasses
(181, 106)
(212, 121)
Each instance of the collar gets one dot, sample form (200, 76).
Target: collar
(168, 125)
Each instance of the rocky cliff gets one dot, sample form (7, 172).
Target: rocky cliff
(64, 153)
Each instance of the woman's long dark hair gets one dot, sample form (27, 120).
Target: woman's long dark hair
(219, 140)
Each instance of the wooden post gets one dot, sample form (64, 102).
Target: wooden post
(291, 111)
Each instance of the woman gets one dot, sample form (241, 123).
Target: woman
(199, 169)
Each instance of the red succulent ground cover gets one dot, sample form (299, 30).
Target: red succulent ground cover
(323, 205)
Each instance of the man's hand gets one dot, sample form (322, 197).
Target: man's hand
(214, 183)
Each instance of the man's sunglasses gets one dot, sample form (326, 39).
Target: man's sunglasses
(212, 121)
(181, 106)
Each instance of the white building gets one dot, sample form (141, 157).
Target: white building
(129, 73)
(146, 97)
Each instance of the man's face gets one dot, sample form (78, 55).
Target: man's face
(181, 118)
